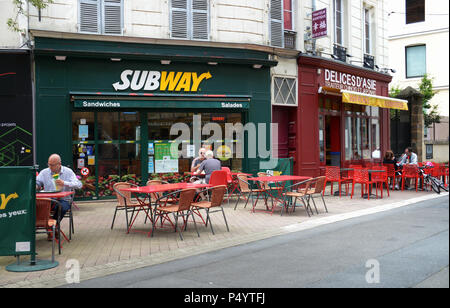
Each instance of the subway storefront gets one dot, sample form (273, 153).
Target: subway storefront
(113, 110)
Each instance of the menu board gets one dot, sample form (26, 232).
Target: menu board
(165, 162)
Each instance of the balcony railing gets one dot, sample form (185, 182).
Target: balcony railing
(289, 39)
(340, 53)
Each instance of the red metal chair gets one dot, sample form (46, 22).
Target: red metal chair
(230, 182)
(391, 174)
(381, 178)
(45, 224)
(332, 175)
(361, 176)
(410, 172)
(218, 177)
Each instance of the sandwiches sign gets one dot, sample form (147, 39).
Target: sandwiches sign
(163, 81)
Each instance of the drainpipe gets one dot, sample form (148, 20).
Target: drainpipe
(313, 40)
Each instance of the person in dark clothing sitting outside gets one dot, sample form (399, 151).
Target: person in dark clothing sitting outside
(389, 158)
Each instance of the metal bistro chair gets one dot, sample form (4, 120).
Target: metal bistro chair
(316, 188)
(295, 194)
(69, 214)
(44, 222)
(246, 188)
(217, 196)
(125, 203)
(181, 209)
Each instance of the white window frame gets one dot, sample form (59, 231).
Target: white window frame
(367, 11)
(282, 25)
(342, 11)
(293, 88)
(101, 19)
(190, 25)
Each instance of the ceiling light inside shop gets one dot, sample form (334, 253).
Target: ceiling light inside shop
(165, 62)
(116, 59)
(257, 66)
(60, 58)
(212, 63)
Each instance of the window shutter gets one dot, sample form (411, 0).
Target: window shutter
(200, 19)
(179, 15)
(112, 17)
(276, 23)
(89, 16)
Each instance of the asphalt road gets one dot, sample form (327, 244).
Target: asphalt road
(405, 247)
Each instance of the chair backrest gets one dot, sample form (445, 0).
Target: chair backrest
(43, 208)
(186, 199)
(332, 173)
(119, 193)
(264, 185)
(319, 185)
(218, 178)
(229, 176)
(155, 196)
(360, 175)
(243, 182)
(410, 171)
(218, 192)
(381, 176)
(390, 169)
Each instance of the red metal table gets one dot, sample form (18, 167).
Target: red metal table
(153, 190)
(280, 180)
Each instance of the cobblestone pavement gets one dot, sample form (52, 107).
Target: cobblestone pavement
(101, 251)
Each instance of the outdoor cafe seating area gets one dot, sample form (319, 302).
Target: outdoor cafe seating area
(172, 208)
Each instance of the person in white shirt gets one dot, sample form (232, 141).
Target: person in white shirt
(67, 181)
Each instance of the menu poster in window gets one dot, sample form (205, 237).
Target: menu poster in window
(151, 166)
(83, 131)
(151, 149)
(190, 150)
(165, 162)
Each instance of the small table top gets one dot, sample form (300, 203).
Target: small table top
(56, 195)
(164, 187)
(281, 178)
(237, 173)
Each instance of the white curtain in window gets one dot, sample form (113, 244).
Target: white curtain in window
(416, 61)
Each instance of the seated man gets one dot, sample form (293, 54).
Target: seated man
(209, 165)
(66, 181)
(408, 158)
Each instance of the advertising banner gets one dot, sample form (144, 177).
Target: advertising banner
(16, 116)
(17, 210)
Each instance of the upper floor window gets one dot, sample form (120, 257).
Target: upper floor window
(339, 22)
(101, 16)
(367, 32)
(416, 64)
(282, 24)
(189, 19)
(415, 11)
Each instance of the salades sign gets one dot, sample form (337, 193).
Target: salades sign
(137, 80)
(349, 82)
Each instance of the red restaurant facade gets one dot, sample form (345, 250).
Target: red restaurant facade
(323, 130)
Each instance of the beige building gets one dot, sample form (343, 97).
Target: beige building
(418, 45)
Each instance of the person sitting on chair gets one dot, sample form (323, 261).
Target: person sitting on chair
(66, 181)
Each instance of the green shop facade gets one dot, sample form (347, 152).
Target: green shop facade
(108, 108)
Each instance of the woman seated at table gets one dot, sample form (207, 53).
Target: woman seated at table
(389, 159)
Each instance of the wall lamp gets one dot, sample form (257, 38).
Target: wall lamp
(60, 58)
(257, 66)
(165, 62)
(116, 59)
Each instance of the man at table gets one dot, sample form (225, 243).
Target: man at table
(67, 181)
(209, 165)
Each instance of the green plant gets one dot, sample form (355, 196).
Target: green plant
(430, 112)
(12, 23)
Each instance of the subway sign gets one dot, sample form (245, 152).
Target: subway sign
(137, 80)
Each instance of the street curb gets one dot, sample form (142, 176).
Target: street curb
(103, 270)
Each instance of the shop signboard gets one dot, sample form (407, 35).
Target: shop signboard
(179, 104)
(17, 210)
(319, 24)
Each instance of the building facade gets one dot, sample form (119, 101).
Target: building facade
(418, 38)
(97, 63)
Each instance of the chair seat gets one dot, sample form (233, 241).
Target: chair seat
(295, 194)
(203, 204)
(170, 208)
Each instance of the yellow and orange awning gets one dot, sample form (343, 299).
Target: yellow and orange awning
(373, 100)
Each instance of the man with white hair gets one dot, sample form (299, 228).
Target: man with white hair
(209, 165)
(57, 177)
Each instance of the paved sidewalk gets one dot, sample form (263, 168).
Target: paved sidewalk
(101, 251)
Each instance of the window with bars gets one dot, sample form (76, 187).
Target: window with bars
(284, 91)
(189, 19)
(101, 16)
